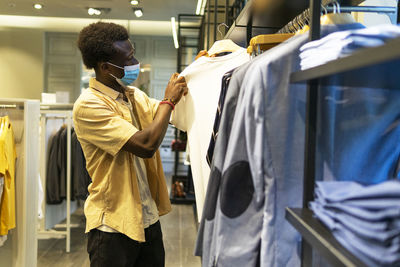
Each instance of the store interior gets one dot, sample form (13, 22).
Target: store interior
(321, 122)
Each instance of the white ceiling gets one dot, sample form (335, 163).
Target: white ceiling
(158, 10)
(72, 16)
(54, 24)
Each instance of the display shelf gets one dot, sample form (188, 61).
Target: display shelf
(320, 238)
(243, 18)
(270, 21)
(364, 58)
(274, 18)
(189, 199)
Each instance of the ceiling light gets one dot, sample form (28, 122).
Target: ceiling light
(198, 8)
(174, 35)
(134, 2)
(37, 6)
(203, 7)
(93, 11)
(138, 11)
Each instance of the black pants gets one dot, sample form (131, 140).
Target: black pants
(118, 250)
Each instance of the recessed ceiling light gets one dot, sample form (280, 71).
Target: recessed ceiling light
(134, 2)
(37, 6)
(138, 11)
(93, 11)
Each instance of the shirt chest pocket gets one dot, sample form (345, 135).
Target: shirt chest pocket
(125, 114)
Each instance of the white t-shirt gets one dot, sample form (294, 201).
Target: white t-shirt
(195, 113)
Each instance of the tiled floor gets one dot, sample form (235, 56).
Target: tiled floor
(179, 231)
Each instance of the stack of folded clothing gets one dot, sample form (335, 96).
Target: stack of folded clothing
(344, 43)
(364, 219)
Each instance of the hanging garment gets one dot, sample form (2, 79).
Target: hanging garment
(376, 242)
(195, 113)
(8, 156)
(62, 164)
(80, 176)
(224, 88)
(205, 237)
(263, 166)
(53, 172)
(56, 178)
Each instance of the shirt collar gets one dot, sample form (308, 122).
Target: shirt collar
(95, 84)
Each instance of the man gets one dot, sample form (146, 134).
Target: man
(120, 130)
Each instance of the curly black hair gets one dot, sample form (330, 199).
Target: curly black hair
(96, 40)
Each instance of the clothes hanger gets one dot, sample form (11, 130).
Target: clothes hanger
(336, 17)
(306, 22)
(265, 42)
(219, 30)
(300, 23)
(222, 46)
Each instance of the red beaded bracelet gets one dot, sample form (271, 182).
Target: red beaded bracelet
(169, 103)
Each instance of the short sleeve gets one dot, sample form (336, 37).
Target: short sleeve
(98, 124)
(154, 103)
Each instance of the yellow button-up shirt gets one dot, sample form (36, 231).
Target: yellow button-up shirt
(103, 125)
(8, 156)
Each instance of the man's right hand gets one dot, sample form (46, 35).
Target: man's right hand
(145, 143)
(176, 88)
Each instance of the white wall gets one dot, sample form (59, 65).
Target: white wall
(21, 63)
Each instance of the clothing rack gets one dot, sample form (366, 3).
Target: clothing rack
(304, 18)
(314, 234)
(20, 249)
(56, 111)
(10, 106)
